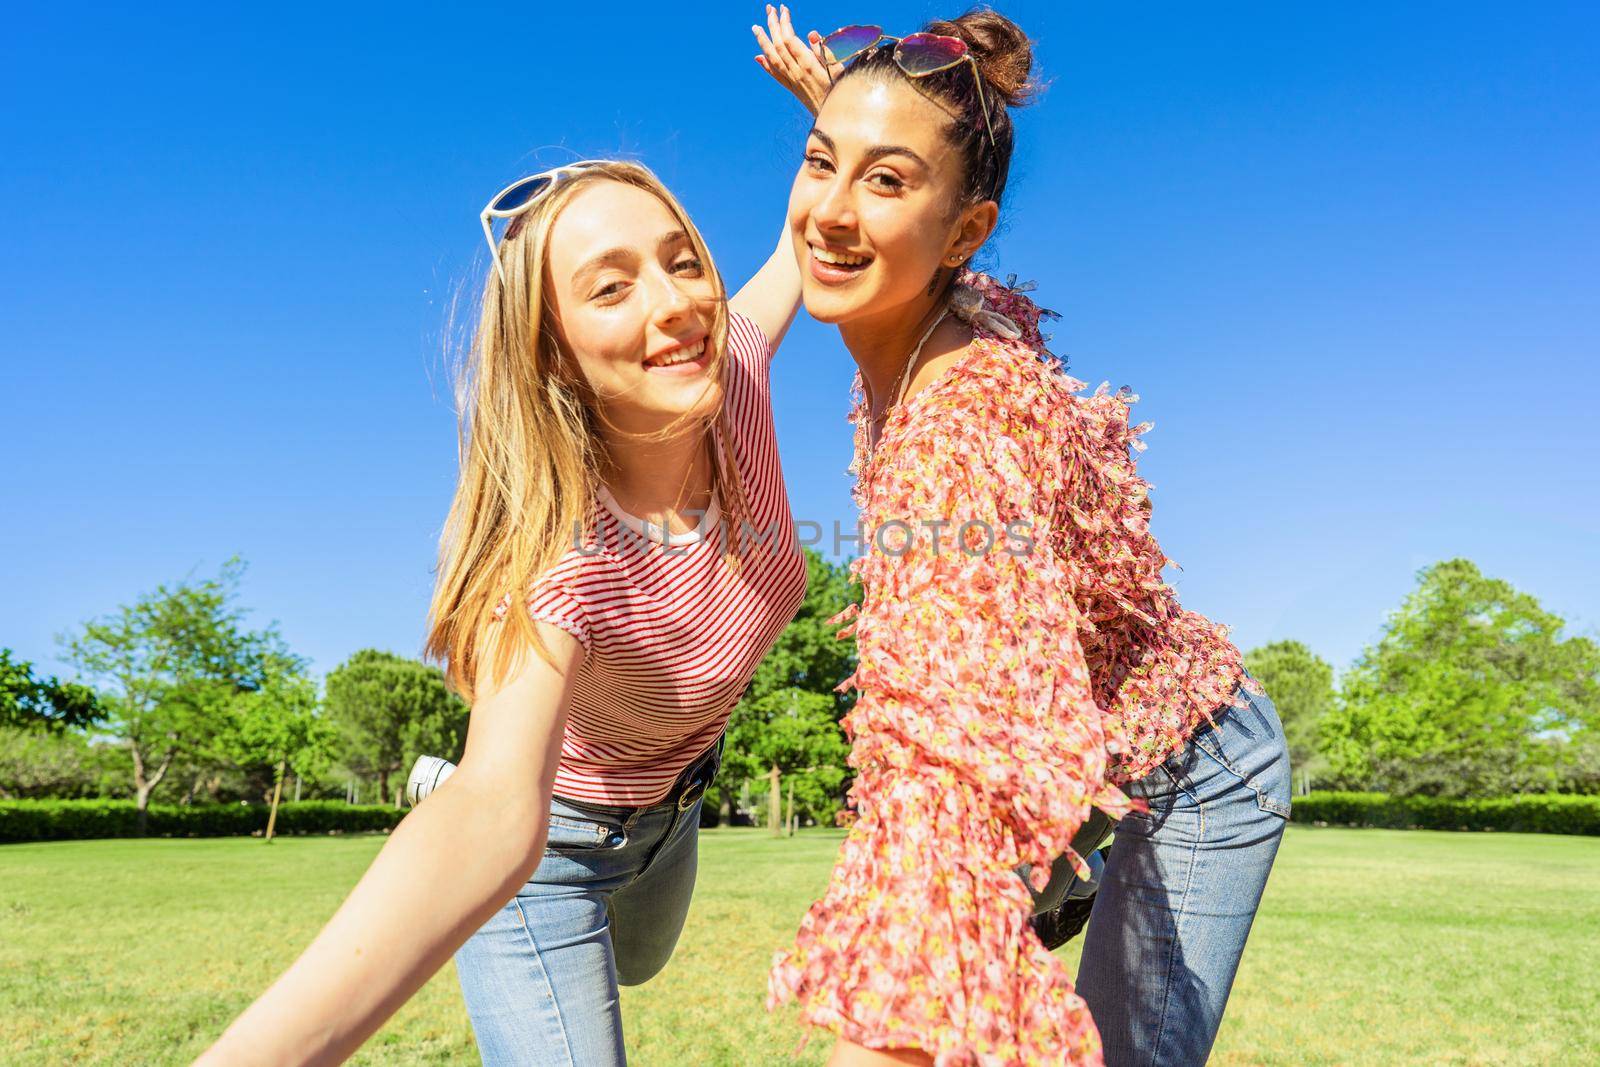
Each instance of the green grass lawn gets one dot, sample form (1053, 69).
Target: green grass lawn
(1372, 947)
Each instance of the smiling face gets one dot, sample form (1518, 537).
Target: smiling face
(634, 305)
(876, 208)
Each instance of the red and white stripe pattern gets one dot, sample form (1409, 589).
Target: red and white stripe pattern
(672, 635)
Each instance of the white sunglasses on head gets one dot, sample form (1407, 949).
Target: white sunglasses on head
(521, 195)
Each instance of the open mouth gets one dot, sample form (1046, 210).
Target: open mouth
(684, 358)
(829, 265)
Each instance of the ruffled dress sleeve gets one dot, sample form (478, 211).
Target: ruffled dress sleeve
(976, 742)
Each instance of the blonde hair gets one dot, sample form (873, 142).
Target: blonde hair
(531, 454)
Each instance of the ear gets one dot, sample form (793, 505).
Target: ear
(972, 230)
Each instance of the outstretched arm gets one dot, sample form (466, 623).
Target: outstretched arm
(415, 905)
(978, 747)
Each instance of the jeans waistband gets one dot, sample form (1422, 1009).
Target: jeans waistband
(688, 787)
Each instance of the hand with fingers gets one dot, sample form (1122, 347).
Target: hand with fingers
(799, 66)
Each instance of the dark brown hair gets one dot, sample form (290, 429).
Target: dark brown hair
(1004, 56)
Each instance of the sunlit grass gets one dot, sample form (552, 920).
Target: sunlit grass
(1372, 947)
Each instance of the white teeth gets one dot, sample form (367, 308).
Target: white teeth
(680, 355)
(838, 259)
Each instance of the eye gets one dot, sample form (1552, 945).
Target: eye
(689, 264)
(609, 293)
(818, 163)
(885, 181)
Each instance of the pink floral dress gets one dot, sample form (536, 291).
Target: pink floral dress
(1020, 655)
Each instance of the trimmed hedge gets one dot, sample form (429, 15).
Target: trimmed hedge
(1538, 813)
(61, 820)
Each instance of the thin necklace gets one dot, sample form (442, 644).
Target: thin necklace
(900, 388)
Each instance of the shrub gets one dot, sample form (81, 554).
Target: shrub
(61, 820)
(1534, 813)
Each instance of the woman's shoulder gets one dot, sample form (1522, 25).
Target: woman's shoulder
(1005, 387)
(1013, 371)
(748, 345)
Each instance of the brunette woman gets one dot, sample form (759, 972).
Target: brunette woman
(1007, 684)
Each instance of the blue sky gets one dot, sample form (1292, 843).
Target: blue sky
(1347, 255)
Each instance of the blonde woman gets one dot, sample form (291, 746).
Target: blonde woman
(620, 482)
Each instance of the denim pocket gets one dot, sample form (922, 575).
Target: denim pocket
(1249, 743)
(569, 833)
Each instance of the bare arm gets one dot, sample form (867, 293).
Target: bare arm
(773, 296)
(417, 904)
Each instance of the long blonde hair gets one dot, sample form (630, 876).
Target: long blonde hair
(531, 454)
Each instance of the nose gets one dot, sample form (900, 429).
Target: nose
(669, 303)
(835, 210)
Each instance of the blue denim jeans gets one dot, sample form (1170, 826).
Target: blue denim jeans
(1180, 890)
(604, 908)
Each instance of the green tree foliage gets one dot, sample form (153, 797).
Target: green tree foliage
(1300, 684)
(809, 657)
(1575, 763)
(44, 763)
(278, 725)
(793, 732)
(168, 667)
(1472, 691)
(389, 710)
(26, 701)
(808, 654)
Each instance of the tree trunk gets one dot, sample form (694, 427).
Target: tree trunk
(788, 814)
(143, 787)
(277, 793)
(775, 801)
(141, 804)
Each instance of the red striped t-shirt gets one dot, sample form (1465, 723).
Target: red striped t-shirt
(671, 634)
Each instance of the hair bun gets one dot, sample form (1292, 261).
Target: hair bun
(1002, 51)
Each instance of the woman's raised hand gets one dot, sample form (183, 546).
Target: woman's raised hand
(799, 66)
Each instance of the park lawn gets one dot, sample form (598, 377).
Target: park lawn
(1372, 947)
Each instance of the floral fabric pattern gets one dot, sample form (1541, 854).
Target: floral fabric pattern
(1020, 656)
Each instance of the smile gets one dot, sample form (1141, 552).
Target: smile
(840, 259)
(832, 267)
(678, 357)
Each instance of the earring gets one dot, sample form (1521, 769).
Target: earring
(954, 260)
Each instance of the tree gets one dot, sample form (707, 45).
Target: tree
(808, 656)
(790, 738)
(278, 725)
(26, 701)
(389, 710)
(168, 667)
(1471, 691)
(40, 763)
(1300, 684)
